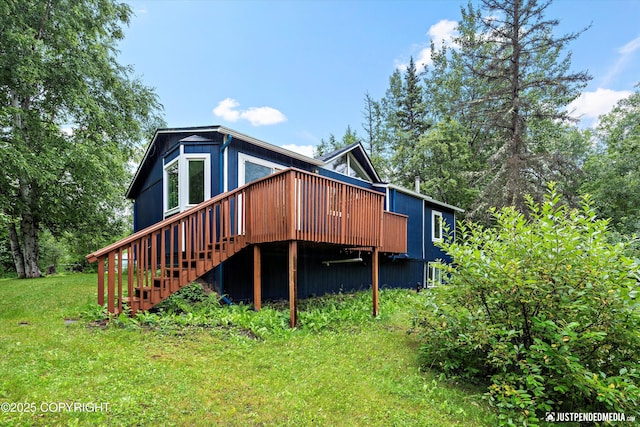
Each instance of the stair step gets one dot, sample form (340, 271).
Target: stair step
(145, 289)
(170, 279)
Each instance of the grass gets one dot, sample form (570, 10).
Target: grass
(228, 366)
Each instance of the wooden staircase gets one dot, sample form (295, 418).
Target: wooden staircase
(292, 205)
(185, 271)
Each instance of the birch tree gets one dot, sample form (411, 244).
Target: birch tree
(70, 116)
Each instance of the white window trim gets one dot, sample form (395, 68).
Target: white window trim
(431, 273)
(183, 182)
(165, 188)
(243, 158)
(351, 158)
(433, 226)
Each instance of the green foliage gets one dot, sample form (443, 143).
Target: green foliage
(443, 161)
(509, 89)
(332, 144)
(543, 308)
(70, 119)
(191, 307)
(613, 171)
(196, 376)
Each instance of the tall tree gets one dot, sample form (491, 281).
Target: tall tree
(443, 162)
(332, 144)
(375, 140)
(70, 116)
(514, 77)
(405, 115)
(613, 171)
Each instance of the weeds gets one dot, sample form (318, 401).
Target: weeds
(192, 308)
(220, 365)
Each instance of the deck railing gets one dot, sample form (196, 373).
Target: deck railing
(394, 233)
(148, 266)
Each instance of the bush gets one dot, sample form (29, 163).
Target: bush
(540, 308)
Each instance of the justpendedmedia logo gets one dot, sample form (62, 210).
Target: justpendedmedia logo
(566, 417)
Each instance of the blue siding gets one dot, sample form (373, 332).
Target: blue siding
(412, 207)
(401, 273)
(448, 217)
(240, 146)
(349, 180)
(148, 203)
(314, 278)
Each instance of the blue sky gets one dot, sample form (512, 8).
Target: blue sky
(293, 72)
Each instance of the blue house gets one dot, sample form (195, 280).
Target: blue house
(249, 217)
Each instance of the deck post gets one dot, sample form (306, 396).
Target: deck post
(374, 279)
(101, 280)
(111, 284)
(293, 283)
(257, 282)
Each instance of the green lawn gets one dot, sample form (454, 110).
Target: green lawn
(350, 374)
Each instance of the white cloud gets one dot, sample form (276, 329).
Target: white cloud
(225, 110)
(630, 47)
(305, 150)
(423, 59)
(442, 34)
(624, 54)
(257, 116)
(591, 105)
(260, 116)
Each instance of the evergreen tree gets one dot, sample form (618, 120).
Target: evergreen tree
(332, 144)
(405, 115)
(375, 140)
(443, 161)
(524, 81)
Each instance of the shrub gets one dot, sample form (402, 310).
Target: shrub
(183, 300)
(542, 309)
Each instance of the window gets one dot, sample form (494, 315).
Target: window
(172, 179)
(356, 171)
(252, 168)
(348, 165)
(436, 222)
(435, 275)
(254, 171)
(196, 181)
(187, 182)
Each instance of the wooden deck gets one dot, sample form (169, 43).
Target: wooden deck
(292, 205)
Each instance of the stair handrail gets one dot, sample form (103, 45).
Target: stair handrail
(94, 256)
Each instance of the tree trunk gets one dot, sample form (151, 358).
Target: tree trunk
(31, 249)
(16, 251)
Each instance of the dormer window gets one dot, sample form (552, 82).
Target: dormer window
(348, 165)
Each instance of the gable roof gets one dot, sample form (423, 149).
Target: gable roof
(192, 134)
(358, 151)
(423, 197)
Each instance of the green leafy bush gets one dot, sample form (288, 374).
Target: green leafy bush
(541, 308)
